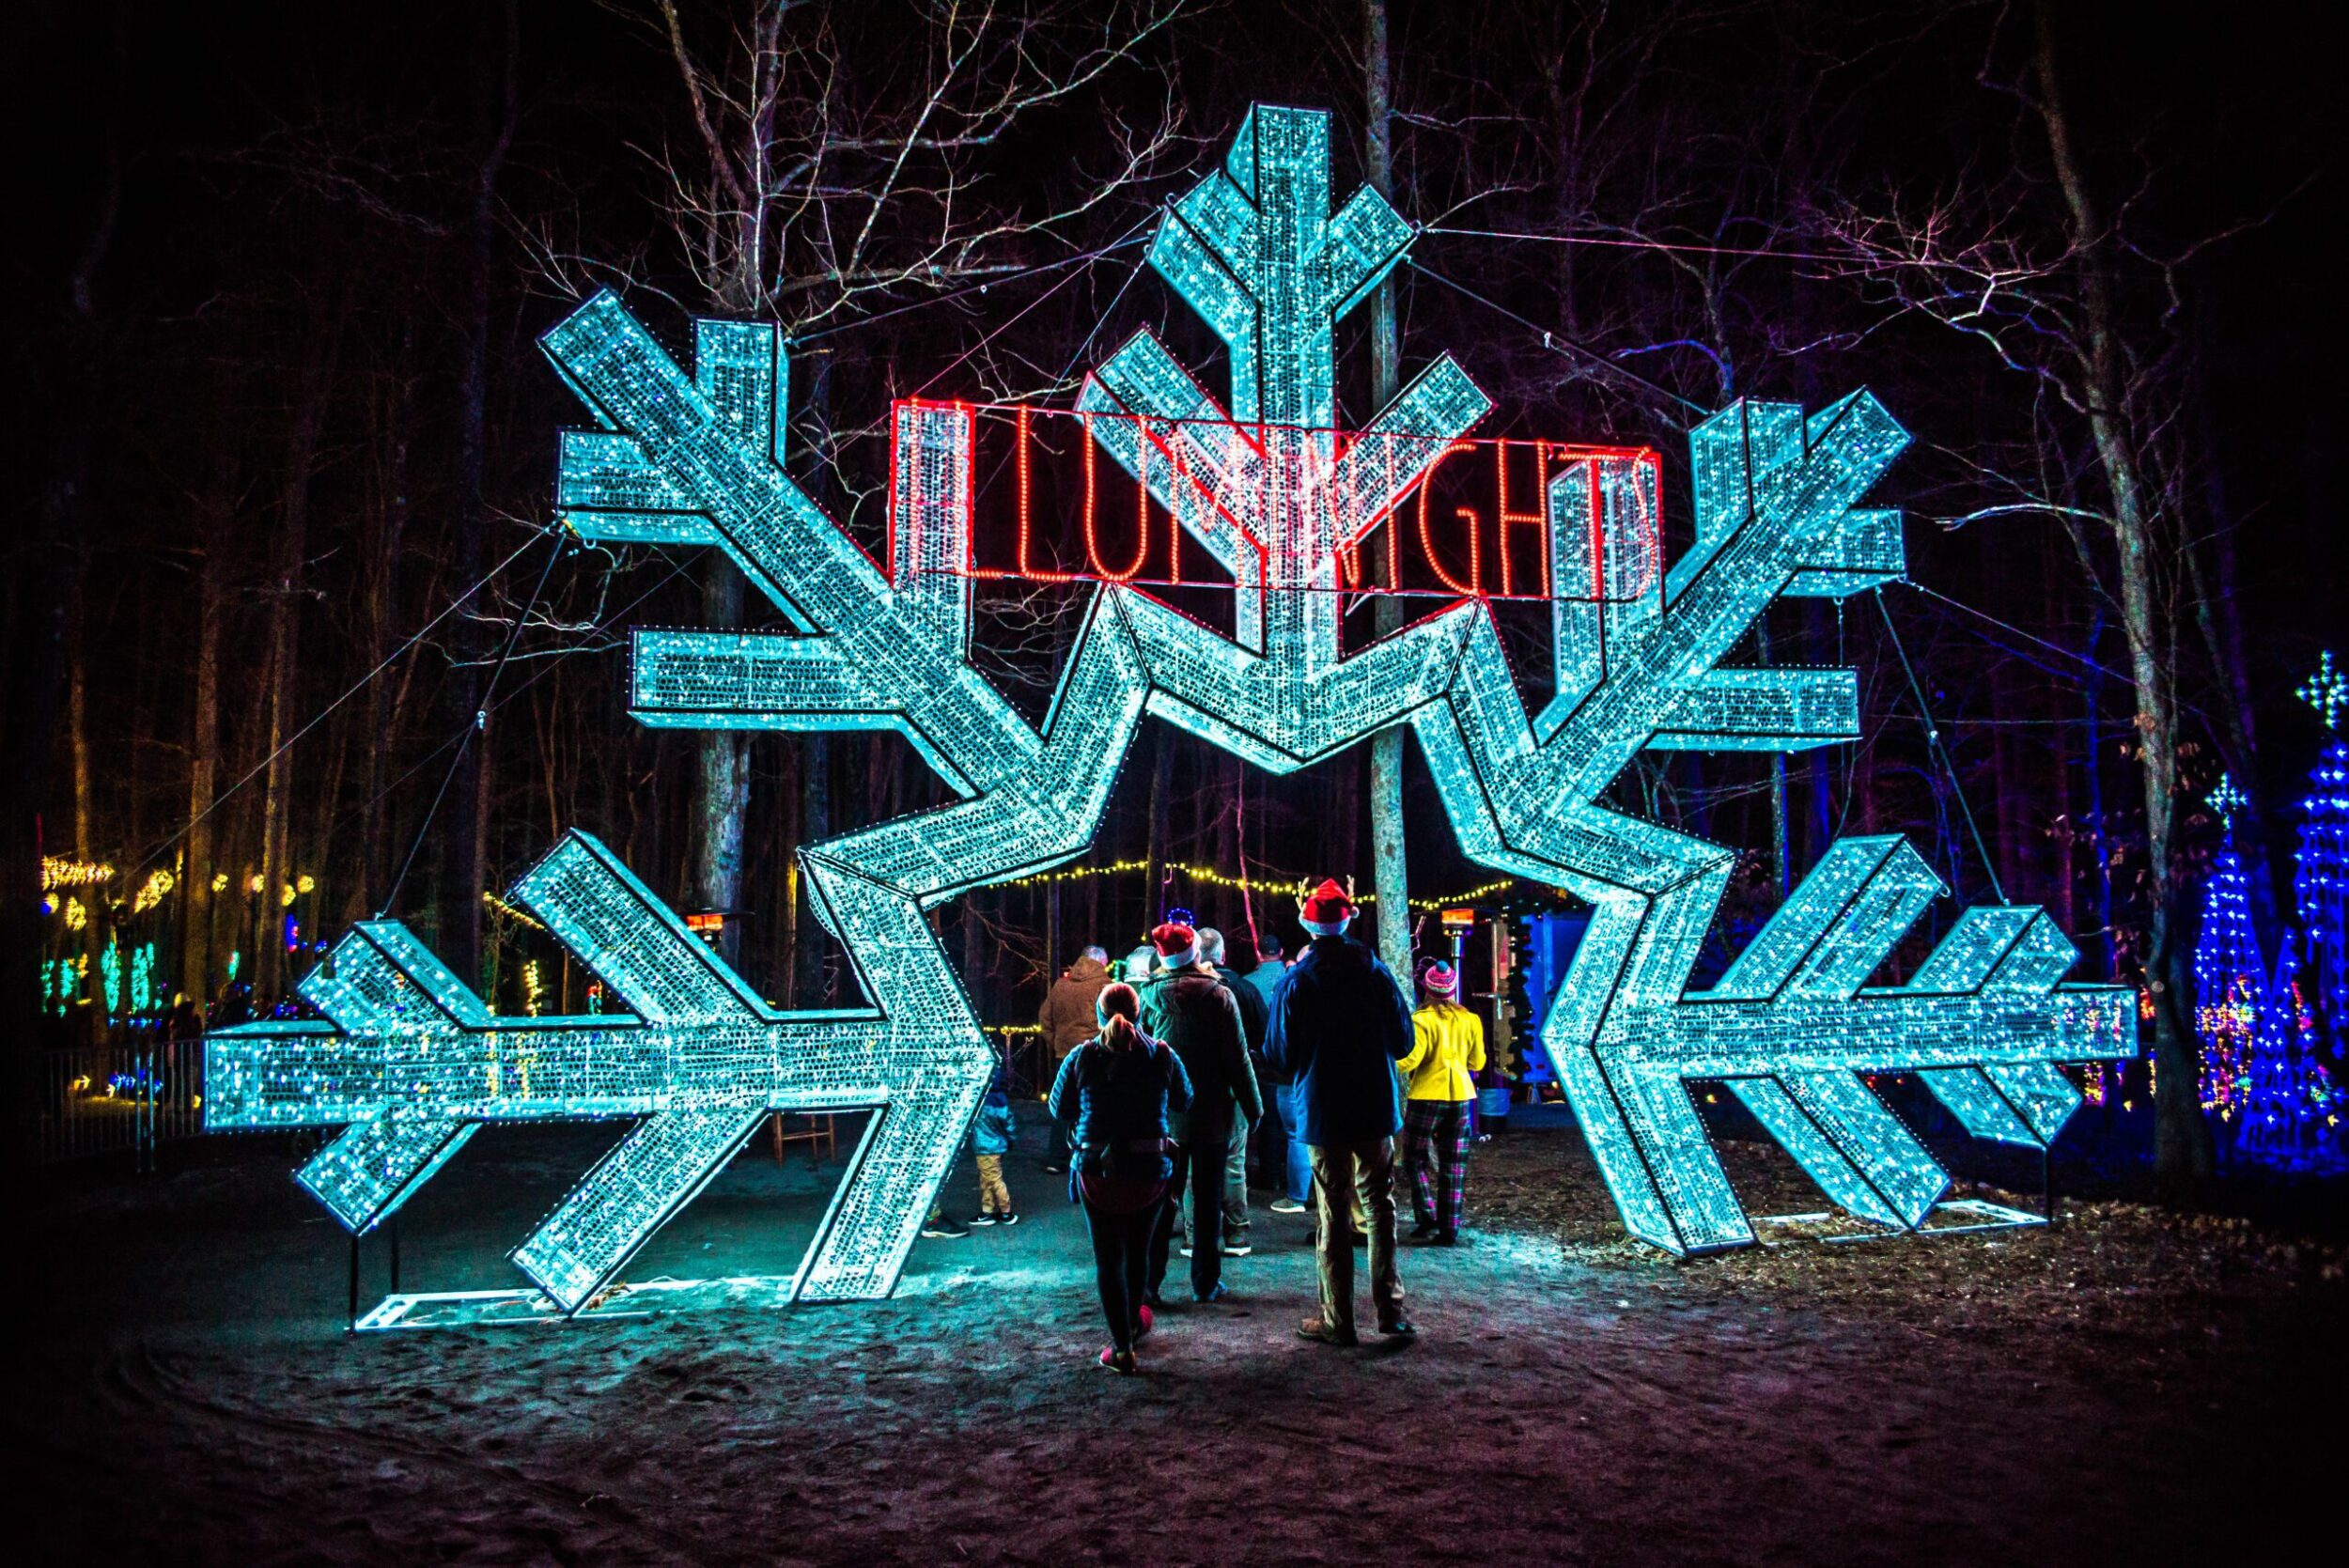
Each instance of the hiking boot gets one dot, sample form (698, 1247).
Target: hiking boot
(1316, 1329)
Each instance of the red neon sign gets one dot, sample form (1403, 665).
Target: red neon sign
(1050, 505)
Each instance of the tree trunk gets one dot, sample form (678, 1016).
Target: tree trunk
(383, 702)
(196, 903)
(1225, 855)
(723, 775)
(2182, 1152)
(1154, 898)
(975, 967)
(2011, 829)
(463, 863)
(1390, 861)
(815, 827)
(1781, 862)
(724, 796)
(285, 628)
(77, 713)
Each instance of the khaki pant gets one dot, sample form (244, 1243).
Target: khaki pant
(1348, 1177)
(994, 1197)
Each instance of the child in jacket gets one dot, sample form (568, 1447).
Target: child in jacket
(992, 1135)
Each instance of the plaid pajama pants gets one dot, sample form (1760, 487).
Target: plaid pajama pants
(1435, 1151)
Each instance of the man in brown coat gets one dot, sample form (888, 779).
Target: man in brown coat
(1068, 1022)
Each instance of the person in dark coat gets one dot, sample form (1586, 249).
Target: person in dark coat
(1340, 1023)
(1253, 1015)
(1067, 1021)
(1117, 1089)
(1197, 1015)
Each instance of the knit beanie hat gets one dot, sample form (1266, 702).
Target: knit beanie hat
(1440, 978)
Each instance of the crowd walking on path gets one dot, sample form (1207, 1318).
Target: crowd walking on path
(1171, 1064)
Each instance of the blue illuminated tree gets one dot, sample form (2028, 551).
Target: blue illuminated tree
(2229, 974)
(2320, 884)
(2289, 1105)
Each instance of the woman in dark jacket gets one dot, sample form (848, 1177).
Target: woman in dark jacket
(1195, 1014)
(1117, 1088)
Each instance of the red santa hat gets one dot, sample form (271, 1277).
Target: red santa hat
(1177, 944)
(1326, 904)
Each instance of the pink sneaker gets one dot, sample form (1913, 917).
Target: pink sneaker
(1147, 1321)
(1120, 1361)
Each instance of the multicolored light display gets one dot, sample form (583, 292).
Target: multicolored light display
(2229, 974)
(2321, 878)
(1279, 496)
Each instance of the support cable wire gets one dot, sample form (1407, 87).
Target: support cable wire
(1618, 242)
(1932, 741)
(2183, 704)
(480, 722)
(981, 287)
(2018, 631)
(1128, 238)
(1562, 343)
(358, 686)
(675, 571)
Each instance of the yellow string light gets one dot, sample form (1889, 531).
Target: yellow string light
(58, 872)
(75, 915)
(220, 882)
(152, 892)
(499, 905)
(1214, 877)
(256, 883)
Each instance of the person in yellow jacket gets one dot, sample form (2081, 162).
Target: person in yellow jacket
(1447, 1052)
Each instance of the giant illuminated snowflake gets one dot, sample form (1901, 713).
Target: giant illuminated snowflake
(1275, 491)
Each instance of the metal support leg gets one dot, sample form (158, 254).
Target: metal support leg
(2046, 1186)
(351, 1323)
(394, 1229)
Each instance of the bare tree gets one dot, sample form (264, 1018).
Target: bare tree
(2069, 292)
(837, 163)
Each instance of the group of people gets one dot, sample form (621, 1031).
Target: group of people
(1162, 1076)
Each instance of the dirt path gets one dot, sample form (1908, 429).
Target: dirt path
(189, 1396)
